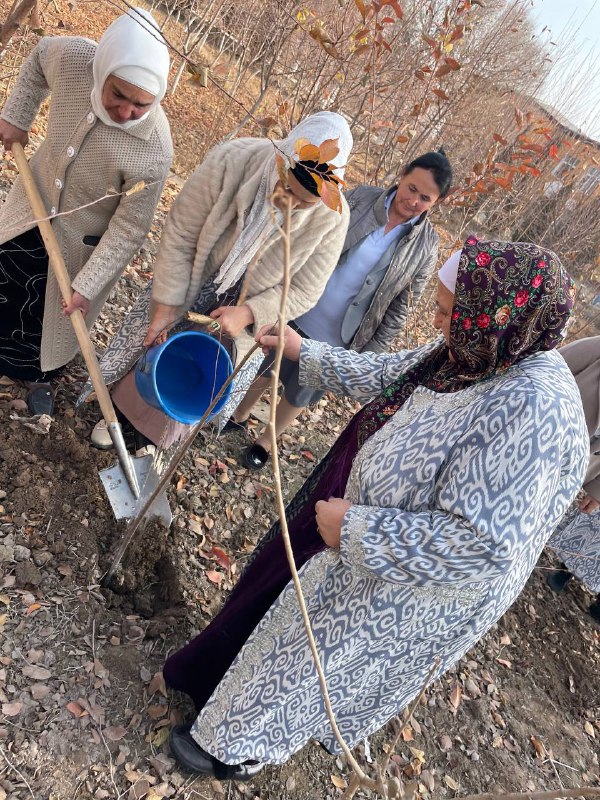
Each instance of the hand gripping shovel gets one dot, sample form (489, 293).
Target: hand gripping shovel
(57, 263)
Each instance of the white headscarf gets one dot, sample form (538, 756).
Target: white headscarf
(316, 129)
(133, 49)
(449, 270)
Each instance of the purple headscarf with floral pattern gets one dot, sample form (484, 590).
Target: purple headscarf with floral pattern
(512, 299)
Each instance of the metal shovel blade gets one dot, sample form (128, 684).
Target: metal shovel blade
(122, 501)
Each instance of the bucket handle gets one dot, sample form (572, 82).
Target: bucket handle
(213, 325)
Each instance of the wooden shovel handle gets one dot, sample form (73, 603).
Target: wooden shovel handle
(64, 283)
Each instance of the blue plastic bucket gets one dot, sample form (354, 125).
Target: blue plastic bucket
(182, 376)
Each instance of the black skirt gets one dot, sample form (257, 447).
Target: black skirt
(23, 277)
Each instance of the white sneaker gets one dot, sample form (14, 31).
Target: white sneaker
(101, 437)
(146, 450)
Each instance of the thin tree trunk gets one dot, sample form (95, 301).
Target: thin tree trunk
(19, 12)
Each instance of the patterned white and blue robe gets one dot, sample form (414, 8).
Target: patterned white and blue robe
(577, 544)
(452, 501)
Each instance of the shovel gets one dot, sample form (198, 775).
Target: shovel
(123, 503)
(156, 484)
(126, 468)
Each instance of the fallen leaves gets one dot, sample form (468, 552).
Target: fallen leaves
(538, 746)
(114, 733)
(39, 691)
(221, 557)
(158, 738)
(339, 782)
(157, 684)
(12, 709)
(156, 711)
(137, 187)
(451, 783)
(455, 697)
(36, 673)
(407, 734)
(75, 709)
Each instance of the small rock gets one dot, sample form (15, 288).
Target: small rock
(2, 494)
(42, 557)
(7, 552)
(177, 779)
(135, 633)
(164, 790)
(27, 574)
(23, 478)
(35, 656)
(472, 688)
(162, 764)
(22, 553)
(39, 691)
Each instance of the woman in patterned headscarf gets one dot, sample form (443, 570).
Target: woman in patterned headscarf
(416, 532)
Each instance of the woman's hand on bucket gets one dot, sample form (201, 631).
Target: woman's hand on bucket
(268, 337)
(162, 319)
(233, 319)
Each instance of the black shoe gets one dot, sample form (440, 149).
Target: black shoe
(558, 579)
(232, 425)
(255, 457)
(193, 758)
(594, 609)
(40, 399)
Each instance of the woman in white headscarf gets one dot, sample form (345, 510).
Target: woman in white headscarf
(221, 233)
(106, 133)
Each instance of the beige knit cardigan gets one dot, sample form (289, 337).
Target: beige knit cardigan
(80, 161)
(208, 216)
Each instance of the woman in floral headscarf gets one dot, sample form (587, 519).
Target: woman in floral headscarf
(415, 533)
